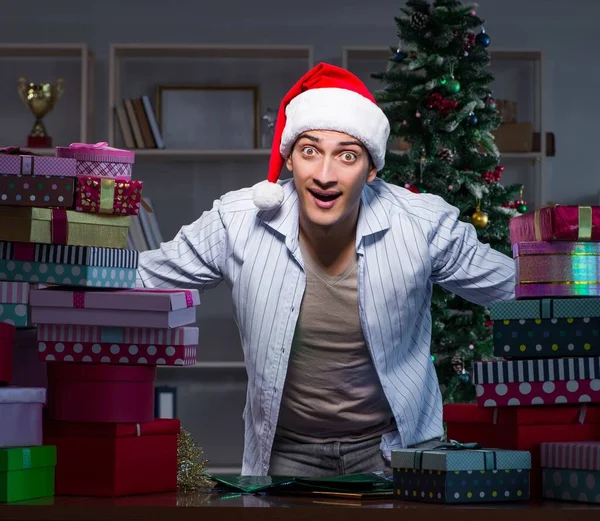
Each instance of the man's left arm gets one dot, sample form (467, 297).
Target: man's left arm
(465, 266)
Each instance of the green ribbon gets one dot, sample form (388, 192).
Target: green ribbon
(26, 458)
(585, 223)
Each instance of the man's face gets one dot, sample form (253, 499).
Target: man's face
(330, 170)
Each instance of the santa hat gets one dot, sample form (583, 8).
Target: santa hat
(325, 98)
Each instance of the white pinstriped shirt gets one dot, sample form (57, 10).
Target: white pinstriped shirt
(405, 243)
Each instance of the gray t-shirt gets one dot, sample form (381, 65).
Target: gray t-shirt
(332, 391)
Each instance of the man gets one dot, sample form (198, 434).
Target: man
(331, 279)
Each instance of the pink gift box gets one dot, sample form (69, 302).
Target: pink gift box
(99, 159)
(543, 381)
(557, 269)
(100, 393)
(28, 370)
(142, 307)
(577, 455)
(21, 416)
(23, 164)
(131, 346)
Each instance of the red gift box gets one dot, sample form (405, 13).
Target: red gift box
(108, 195)
(558, 223)
(522, 428)
(100, 393)
(7, 346)
(114, 459)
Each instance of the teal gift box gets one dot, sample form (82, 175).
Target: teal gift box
(571, 471)
(546, 328)
(83, 266)
(464, 475)
(14, 297)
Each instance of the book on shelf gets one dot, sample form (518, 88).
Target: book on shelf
(138, 124)
(144, 233)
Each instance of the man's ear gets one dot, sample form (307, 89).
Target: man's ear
(372, 173)
(288, 163)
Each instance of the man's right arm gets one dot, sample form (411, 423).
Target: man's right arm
(193, 259)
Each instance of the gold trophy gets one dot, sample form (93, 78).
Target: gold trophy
(40, 98)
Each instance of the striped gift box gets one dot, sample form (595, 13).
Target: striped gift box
(66, 254)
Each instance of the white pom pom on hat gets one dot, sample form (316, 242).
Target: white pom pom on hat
(325, 98)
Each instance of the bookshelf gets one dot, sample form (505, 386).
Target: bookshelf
(524, 69)
(201, 56)
(53, 54)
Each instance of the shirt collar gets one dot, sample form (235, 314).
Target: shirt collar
(373, 216)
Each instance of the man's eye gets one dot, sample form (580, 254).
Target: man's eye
(309, 151)
(349, 156)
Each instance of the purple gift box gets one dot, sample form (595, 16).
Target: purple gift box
(21, 416)
(14, 163)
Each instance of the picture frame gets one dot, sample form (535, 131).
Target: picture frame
(213, 117)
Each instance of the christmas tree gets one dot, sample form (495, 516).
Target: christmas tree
(438, 99)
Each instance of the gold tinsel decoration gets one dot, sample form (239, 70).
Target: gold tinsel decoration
(191, 465)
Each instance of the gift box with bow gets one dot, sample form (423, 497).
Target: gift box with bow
(98, 159)
(461, 473)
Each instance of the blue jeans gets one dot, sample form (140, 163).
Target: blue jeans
(290, 458)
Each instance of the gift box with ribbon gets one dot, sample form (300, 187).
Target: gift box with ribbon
(41, 191)
(60, 226)
(83, 266)
(120, 458)
(108, 195)
(14, 297)
(571, 471)
(557, 269)
(557, 223)
(7, 348)
(461, 473)
(27, 473)
(544, 381)
(100, 393)
(14, 161)
(546, 328)
(523, 428)
(98, 159)
(142, 307)
(21, 413)
(118, 345)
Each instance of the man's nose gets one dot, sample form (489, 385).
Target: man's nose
(325, 174)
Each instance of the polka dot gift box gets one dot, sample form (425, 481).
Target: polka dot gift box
(68, 265)
(42, 191)
(451, 474)
(571, 471)
(546, 328)
(14, 297)
(116, 345)
(543, 381)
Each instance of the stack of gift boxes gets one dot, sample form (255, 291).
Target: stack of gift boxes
(543, 394)
(68, 296)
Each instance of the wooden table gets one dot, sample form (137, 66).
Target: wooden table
(199, 507)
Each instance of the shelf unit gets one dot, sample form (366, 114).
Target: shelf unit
(64, 50)
(121, 51)
(380, 54)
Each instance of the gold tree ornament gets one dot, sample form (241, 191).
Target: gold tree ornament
(191, 465)
(479, 218)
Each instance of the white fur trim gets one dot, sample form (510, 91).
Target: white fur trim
(341, 110)
(267, 195)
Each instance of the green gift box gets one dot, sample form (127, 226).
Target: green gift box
(27, 473)
(461, 475)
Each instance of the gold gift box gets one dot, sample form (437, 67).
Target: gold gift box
(83, 229)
